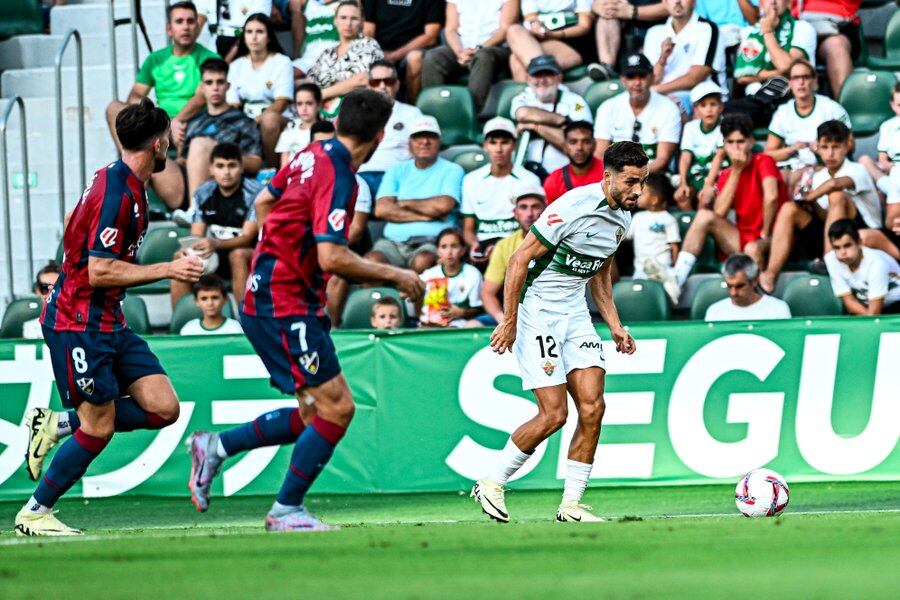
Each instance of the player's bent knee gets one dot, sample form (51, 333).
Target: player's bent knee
(555, 419)
(592, 412)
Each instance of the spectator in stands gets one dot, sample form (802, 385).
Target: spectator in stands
(745, 302)
(173, 71)
(223, 216)
(342, 68)
(701, 148)
(312, 26)
(752, 186)
(529, 204)
(217, 123)
(394, 147)
(655, 234)
(298, 133)
(452, 287)
(730, 16)
(558, 28)
(866, 280)
(210, 296)
(405, 31)
(685, 51)
(837, 25)
(583, 167)
(642, 115)
(843, 189)
(612, 17)
(386, 313)
(475, 43)
(542, 109)
(885, 170)
(418, 198)
(487, 212)
(225, 19)
(43, 285)
(261, 81)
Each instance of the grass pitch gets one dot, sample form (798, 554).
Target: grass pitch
(834, 541)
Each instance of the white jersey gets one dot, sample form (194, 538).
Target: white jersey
(652, 232)
(792, 128)
(864, 194)
(195, 327)
(491, 200)
(568, 104)
(462, 289)
(394, 148)
(703, 146)
(767, 307)
(258, 88)
(877, 276)
(698, 44)
(889, 138)
(660, 122)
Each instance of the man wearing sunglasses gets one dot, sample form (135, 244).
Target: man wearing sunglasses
(43, 284)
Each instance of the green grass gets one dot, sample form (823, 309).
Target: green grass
(835, 540)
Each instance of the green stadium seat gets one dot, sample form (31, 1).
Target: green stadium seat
(641, 300)
(867, 96)
(20, 17)
(602, 91)
(358, 309)
(812, 296)
(186, 310)
(17, 312)
(470, 160)
(891, 59)
(155, 206)
(160, 244)
(709, 292)
(575, 73)
(707, 262)
(136, 314)
(454, 110)
(510, 91)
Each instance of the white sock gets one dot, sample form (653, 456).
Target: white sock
(35, 507)
(683, 265)
(511, 459)
(63, 426)
(220, 449)
(577, 475)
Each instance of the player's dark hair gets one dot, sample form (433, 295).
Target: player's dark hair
(321, 127)
(624, 154)
(272, 43)
(314, 90)
(50, 267)
(180, 5)
(226, 151)
(354, 3)
(450, 231)
(387, 301)
(385, 63)
(843, 227)
(577, 126)
(138, 124)
(833, 131)
(736, 122)
(213, 65)
(363, 115)
(740, 263)
(210, 282)
(661, 186)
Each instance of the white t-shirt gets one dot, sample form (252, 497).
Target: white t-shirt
(293, 138)
(394, 148)
(864, 194)
(767, 307)
(238, 11)
(792, 128)
(877, 276)
(652, 232)
(660, 122)
(258, 88)
(568, 104)
(195, 327)
(478, 20)
(699, 43)
(363, 196)
(889, 138)
(462, 289)
(552, 6)
(491, 200)
(31, 330)
(702, 145)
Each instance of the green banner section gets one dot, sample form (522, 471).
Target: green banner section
(815, 400)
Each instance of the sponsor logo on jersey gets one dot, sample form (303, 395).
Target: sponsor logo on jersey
(554, 219)
(86, 384)
(253, 283)
(594, 345)
(304, 162)
(310, 362)
(583, 266)
(549, 366)
(751, 49)
(336, 219)
(108, 237)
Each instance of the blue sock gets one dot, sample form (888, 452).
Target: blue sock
(129, 417)
(311, 453)
(282, 426)
(68, 466)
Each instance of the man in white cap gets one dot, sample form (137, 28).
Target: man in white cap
(487, 212)
(418, 198)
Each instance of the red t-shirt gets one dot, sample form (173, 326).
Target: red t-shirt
(555, 185)
(748, 198)
(845, 9)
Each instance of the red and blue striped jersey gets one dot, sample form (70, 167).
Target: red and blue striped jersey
(316, 194)
(108, 222)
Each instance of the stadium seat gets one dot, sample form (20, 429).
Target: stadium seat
(709, 292)
(707, 261)
(867, 96)
(891, 59)
(641, 300)
(509, 92)
(602, 91)
(358, 309)
(20, 17)
(470, 160)
(159, 244)
(454, 110)
(17, 312)
(812, 296)
(575, 73)
(186, 310)
(136, 314)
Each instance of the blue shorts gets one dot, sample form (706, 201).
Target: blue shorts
(297, 351)
(98, 367)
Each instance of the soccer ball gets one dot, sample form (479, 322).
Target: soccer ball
(210, 263)
(761, 493)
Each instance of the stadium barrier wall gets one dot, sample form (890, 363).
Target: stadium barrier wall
(697, 403)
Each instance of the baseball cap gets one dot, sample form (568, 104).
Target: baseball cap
(499, 124)
(524, 190)
(426, 124)
(542, 64)
(704, 89)
(636, 64)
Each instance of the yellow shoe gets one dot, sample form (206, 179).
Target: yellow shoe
(571, 511)
(490, 496)
(45, 524)
(42, 424)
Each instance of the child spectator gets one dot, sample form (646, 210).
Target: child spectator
(655, 235)
(210, 296)
(43, 285)
(298, 133)
(701, 148)
(886, 170)
(386, 313)
(865, 279)
(452, 287)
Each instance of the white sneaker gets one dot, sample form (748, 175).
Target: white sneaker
(657, 272)
(43, 524)
(571, 511)
(42, 424)
(490, 496)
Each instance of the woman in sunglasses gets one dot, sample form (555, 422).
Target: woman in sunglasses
(43, 285)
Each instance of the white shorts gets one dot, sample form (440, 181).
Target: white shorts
(549, 345)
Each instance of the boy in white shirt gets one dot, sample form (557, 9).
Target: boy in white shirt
(865, 279)
(886, 169)
(702, 150)
(745, 302)
(655, 234)
(210, 296)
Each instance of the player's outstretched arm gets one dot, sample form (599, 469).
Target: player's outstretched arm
(516, 271)
(112, 272)
(600, 287)
(341, 260)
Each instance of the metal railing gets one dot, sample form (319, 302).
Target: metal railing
(135, 20)
(79, 79)
(4, 172)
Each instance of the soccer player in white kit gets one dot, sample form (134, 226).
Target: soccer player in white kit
(547, 325)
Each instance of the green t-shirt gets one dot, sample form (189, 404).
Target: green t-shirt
(175, 77)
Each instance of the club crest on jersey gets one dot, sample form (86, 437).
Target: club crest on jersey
(310, 362)
(108, 237)
(554, 219)
(336, 219)
(620, 233)
(86, 384)
(549, 367)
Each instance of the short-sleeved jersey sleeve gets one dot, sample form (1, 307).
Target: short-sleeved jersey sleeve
(278, 183)
(878, 278)
(112, 220)
(145, 74)
(518, 102)
(673, 234)
(653, 43)
(766, 167)
(776, 125)
(601, 121)
(862, 181)
(467, 205)
(474, 295)
(839, 285)
(580, 110)
(363, 197)
(553, 226)
(671, 127)
(703, 49)
(234, 76)
(805, 39)
(283, 84)
(330, 218)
